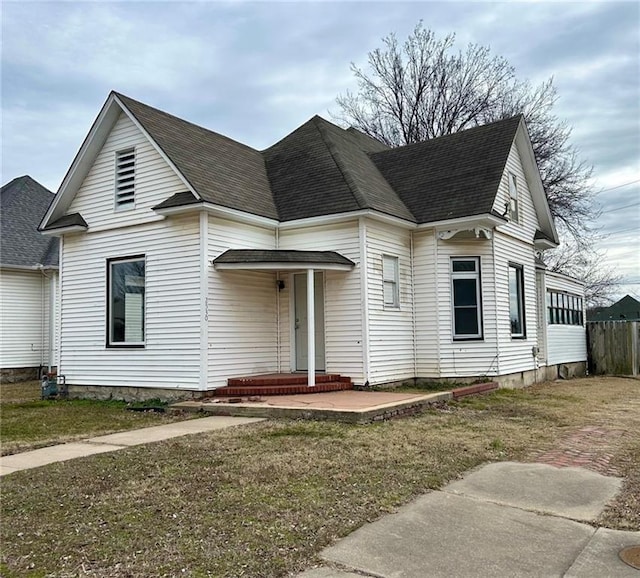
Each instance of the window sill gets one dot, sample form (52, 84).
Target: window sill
(457, 339)
(126, 345)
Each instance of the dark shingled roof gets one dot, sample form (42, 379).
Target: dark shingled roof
(320, 169)
(178, 200)
(23, 203)
(72, 220)
(221, 170)
(452, 176)
(282, 256)
(627, 309)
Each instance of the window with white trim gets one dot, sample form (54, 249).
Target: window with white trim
(125, 301)
(390, 281)
(466, 298)
(564, 308)
(125, 179)
(516, 300)
(514, 213)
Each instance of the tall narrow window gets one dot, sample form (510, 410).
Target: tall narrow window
(390, 281)
(516, 300)
(125, 311)
(513, 198)
(465, 288)
(125, 179)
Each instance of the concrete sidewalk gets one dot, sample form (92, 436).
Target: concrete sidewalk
(116, 441)
(505, 519)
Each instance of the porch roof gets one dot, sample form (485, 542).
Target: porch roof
(279, 260)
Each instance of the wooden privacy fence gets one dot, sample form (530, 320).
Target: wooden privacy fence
(614, 347)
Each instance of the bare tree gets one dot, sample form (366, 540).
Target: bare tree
(426, 88)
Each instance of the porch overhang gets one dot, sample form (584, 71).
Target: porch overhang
(281, 260)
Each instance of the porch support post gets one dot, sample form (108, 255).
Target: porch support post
(311, 330)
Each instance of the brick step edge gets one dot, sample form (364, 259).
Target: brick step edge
(288, 380)
(473, 389)
(250, 390)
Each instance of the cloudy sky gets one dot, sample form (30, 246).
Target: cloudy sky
(255, 71)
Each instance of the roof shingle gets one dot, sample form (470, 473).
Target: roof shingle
(23, 203)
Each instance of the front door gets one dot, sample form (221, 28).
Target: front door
(300, 320)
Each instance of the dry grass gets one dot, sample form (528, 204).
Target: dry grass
(262, 500)
(27, 422)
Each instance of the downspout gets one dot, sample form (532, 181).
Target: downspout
(413, 308)
(364, 289)
(52, 316)
(436, 271)
(204, 300)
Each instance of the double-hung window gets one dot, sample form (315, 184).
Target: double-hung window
(465, 289)
(514, 213)
(125, 179)
(516, 300)
(125, 301)
(390, 281)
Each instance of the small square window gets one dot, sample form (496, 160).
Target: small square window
(390, 280)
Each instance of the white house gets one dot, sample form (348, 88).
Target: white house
(187, 258)
(28, 282)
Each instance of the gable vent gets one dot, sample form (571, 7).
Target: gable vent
(125, 176)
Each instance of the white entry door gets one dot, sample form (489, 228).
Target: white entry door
(300, 320)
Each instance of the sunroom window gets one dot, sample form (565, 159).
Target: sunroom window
(125, 179)
(126, 291)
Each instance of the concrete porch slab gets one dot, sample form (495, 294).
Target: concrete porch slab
(348, 406)
(574, 493)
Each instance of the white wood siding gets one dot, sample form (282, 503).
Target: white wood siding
(242, 307)
(426, 304)
(567, 343)
(515, 353)
(343, 297)
(24, 318)
(171, 356)
(391, 342)
(528, 219)
(466, 358)
(155, 181)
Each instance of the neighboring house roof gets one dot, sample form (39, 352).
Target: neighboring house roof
(321, 169)
(452, 176)
(627, 309)
(23, 203)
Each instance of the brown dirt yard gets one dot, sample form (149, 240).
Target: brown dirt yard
(263, 500)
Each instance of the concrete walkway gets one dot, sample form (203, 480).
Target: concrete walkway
(116, 441)
(505, 519)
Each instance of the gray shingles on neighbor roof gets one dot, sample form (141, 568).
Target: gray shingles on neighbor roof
(23, 203)
(282, 256)
(322, 169)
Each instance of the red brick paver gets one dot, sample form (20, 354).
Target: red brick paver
(589, 447)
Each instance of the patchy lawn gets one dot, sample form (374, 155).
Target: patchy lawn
(27, 422)
(263, 500)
